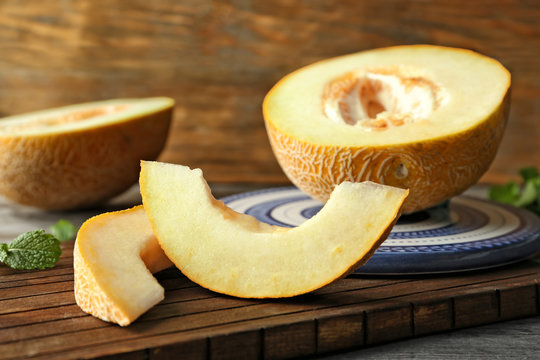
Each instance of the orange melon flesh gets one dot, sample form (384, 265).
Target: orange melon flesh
(114, 257)
(79, 155)
(425, 118)
(235, 254)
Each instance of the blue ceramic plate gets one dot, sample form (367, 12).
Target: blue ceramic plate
(466, 233)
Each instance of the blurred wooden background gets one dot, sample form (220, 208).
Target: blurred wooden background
(218, 58)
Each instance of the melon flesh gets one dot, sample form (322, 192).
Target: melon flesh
(425, 118)
(235, 254)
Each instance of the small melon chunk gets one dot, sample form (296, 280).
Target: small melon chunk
(114, 257)
(235, 254)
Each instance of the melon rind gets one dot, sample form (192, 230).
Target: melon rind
(438, 169)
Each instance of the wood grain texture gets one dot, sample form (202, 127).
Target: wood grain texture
(340, 331)
(512, 340)
(218, 58)
(40, 320)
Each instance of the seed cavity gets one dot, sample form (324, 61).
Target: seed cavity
(376, 99)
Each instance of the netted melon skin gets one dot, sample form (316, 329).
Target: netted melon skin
(433, 170)
(79, 169)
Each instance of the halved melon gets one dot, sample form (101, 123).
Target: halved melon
(114, 257)
(425, 118)
(235, 254)
(80, 155)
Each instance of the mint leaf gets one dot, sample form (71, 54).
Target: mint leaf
(529, 173)
(507, 193)
(31, 250)
(535, 206)
(63, 230)
(4, 252)
(526, 195)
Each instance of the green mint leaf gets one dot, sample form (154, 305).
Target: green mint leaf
(3, 252)
(31, 250)
(63, 230)
(529, 173)
(528, 195)
(535, 207)
(538, 198)
(506, 193)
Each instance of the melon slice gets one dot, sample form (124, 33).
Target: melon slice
(80, 155)
(235, 254)
(425, 118)
(114, 257)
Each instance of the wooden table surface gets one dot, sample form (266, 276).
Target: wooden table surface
(356, 317)
(517, 339)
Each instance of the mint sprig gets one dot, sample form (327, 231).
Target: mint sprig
(525, 195)
(37, 249)
(63, 230)
(31, 250)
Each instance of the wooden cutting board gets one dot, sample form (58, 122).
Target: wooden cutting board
(39, 318)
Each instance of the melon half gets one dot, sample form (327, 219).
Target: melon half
(79, 155)
(425, 118)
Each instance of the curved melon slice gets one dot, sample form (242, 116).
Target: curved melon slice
(235, 254)
(79, 155)
(114, 257)
(425, 118)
